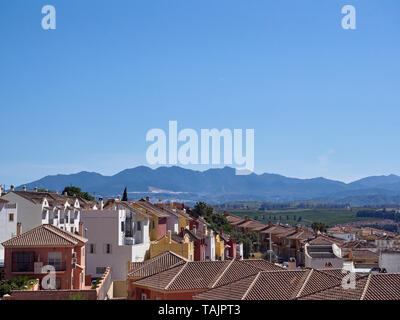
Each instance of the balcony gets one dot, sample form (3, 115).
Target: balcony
(58, 265)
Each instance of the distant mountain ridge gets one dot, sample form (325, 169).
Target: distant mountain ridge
(221, 185)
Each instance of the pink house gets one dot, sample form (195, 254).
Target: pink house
(27, 253)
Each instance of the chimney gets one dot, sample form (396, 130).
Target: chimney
(169, 237)
(56, 191)
(147, 199)
(18, 229)
(205, 230)
(36, 189)
(81, 229)
(292, 264)
(24, 188)
(101, 203)
(119, 197)
(182, 231)
(11, 188)
(246, 218)
(65, 193)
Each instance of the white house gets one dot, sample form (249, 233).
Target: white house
(390, 261)
(321, 253)
(209, 238)
(116, 236)
(8, 223)
(36, 208)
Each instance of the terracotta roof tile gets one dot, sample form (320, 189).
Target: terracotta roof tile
(364, 254)
(263, 264)
(383, 287)
(44, 236)
(162, 262)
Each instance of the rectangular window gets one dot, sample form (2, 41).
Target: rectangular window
(23, 261)
(54, 259)
(11, 217)
(122, 226)
(153, 224)
(107, 248)
(100, 270)
(139, 226)
(92, 248)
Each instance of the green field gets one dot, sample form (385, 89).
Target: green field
(308, 216)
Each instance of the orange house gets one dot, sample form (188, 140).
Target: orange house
(46, 245)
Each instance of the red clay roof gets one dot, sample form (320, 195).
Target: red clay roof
(325, 240)
(149, 208)
(364, 254)
(278, 285)
(162, 262)
(383, 286)
(45, 236)
(199, 275)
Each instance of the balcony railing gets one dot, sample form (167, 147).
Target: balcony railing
(58, 265)
(27, 267)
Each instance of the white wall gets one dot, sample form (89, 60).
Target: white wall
(104, 227)
(390, 261)
(29, 214)
(8, 229)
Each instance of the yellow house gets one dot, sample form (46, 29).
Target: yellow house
(219, 247)
(174, 243)
(183, 220)
(158, 220)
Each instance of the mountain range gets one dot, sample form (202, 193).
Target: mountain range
(222, 185)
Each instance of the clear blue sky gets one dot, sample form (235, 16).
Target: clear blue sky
(323, 101)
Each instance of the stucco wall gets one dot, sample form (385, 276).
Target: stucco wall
(103, 227)
(390, 261)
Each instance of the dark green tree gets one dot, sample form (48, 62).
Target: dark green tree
(125, 195)
(77, 192)
(319, 226)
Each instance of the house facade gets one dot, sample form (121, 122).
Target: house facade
(115, 236)
(36, 208)
(30, 254)
(8, 223)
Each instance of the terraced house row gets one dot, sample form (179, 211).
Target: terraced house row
(117, 232)
(137, 250)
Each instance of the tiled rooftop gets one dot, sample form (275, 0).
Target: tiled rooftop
(160, 263)
(44, 236)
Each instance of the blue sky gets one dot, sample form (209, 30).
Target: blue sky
(323, 101)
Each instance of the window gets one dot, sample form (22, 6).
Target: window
(107, 248)
(92, 248)
(139, 226)
(54, 259)
(122, 226)
(23, 261)
(153, 225)
(11, 217)
(144, 296)
(101, 270)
